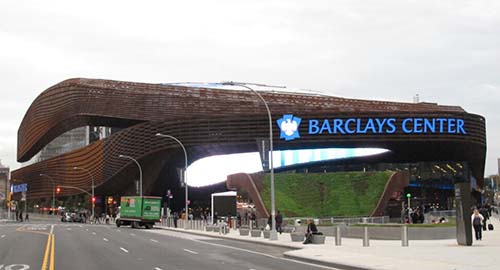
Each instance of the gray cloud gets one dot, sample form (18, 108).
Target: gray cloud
(447, 51)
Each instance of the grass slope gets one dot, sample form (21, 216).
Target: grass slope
(326, 194)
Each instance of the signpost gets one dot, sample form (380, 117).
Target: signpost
(408, 195)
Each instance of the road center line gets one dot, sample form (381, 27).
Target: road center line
(153, 240)
(190, 251)
(105, 240)
(124, 250)
(157, 268)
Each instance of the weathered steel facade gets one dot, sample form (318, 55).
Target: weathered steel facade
(208, 122)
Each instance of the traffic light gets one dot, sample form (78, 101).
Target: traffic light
(93, 199)
(408, 195)
(58, 190)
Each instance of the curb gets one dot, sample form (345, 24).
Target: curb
(289, 256)
(323, 263)
(249, 240)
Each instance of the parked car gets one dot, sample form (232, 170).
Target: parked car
(66, 217)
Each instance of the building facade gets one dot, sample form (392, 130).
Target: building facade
(216, 120)
(4, 183)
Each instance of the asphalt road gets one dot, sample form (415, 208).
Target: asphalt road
(83, 246)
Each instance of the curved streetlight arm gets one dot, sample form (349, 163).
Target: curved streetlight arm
(140, 171)
(183, 148)
(274, 235)
(185, 174)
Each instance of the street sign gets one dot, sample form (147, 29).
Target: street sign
(20, 188)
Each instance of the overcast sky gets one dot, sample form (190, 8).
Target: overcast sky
(446, 51)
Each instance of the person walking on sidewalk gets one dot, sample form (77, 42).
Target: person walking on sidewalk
(279, 222)
(477, 220)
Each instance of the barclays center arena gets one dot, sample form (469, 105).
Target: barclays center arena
(89, 123)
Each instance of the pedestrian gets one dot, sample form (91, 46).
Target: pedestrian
(477, 219)
(279, 222)
(484, 212)
(253, 220)
(176, 217)
(27, 218)
(216, 217)
(238, 219)
(310, 231)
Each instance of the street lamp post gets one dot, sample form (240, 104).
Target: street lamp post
(53, 191)
(140, 171)
(92, 199)
(273, 233)
(184, 173)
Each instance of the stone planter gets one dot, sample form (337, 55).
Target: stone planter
(216, 229)
(318, 239)
(244, 232)
(256, 233)
(267, 234)
(297, 237)
(209, 228)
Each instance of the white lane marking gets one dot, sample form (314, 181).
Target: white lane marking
(87, 230)
(132, 234)
(80, 226)
(157, 268)
(3, 235)
(68, 229)
(124, 250)
(190, 251)
(153, 240)
(263, 254)
(118, 230)
(93, 233)
(51, 228)
(105, 240)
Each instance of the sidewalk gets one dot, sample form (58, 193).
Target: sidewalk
(386, 254)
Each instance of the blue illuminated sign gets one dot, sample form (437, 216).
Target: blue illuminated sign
(20, 188)
(411, 125)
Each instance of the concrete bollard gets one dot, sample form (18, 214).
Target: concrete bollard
(366, 239)
(338, 237)
(404, 236)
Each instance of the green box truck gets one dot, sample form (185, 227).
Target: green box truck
(139, 211)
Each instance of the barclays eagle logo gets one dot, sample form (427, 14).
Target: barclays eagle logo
(289, 126)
